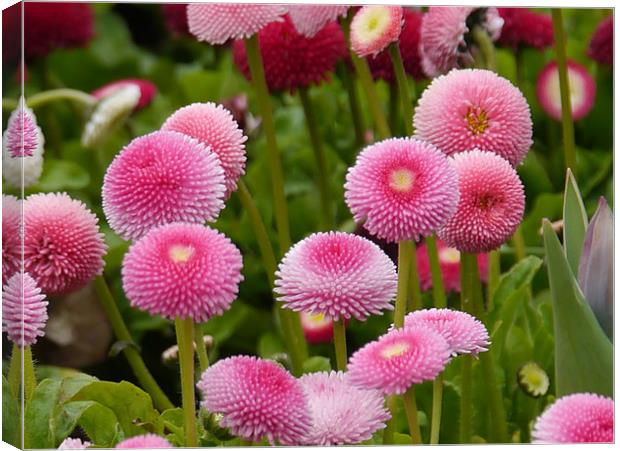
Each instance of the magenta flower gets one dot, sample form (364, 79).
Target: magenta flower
(337, 274)
(144, 441)
(24, 310)
(577, 418)
(257, 398)
(175, 18)
(491, 204)
(160, 178)
(216, 23)
(214, 126)
(474, 108)
(374, 27)
(398, 360)
(463, 332)
(182, 270)
(401, 188)
(601, 48)
(525, 28)
(11, 238)
(582, 90)
(63, 248)
(147, 90)
(342, 414)
(22, 137)
(309, 19)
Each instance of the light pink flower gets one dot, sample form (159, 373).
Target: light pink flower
(74, 443)
(11, 238)
(374, 27)
(22, 136)
(144, 441)
(309, 19)
(147, 90)
(24, 310)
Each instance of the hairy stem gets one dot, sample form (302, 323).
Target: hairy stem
(185, 338)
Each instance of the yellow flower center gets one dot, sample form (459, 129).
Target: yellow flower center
(401, 180)
(373, 22)
(477, 120)
(316, 318)
(180, 253)
(450, 255)
(394, 350)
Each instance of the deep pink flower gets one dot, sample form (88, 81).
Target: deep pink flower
(63, 248)
(450, 265)
(309, 19)
(401, 188)
(318, 328)
(475, 108)
(577, 418)
(215, 127)
(144, 441)
(175, 18)
(338, 274)
(491, 204)
(582, 90)
(216, 23)
(525, 28)
(147, 90)
(182, 270)
(291, 60)
(257, 398)
(24, 310)
(399, 359)
(601, 47)
(374, 27)
(342, 414)
(160, 178)
(22, 136)
(74, 443)
(463, 332)
(11, 239)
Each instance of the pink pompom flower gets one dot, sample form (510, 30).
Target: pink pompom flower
(582, 90)
(576, 418)
(144, 441)
(11, 236)
(525, 28)
(337, 274)
(182, 270)
(342, 414)
(147, 90)
(216, 23)
(401, 188)
(74, 443)
(24, 310)
(160, 178)
(214, 126)
(257, 398)
(309, 19)
(601, 48)
(445, 36)
(464, 333)
(374, 27)
(450, 265)
(475, 108)
(398, 360)
(22, 137)
(491, 204)
(63, 248)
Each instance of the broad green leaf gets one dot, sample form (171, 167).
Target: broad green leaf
(10, 415)
(583, 354)
(507, 317)
(100, 425)
(316, 363)
(65, 418)
(521, 274)
(39, 411)
(575, 222)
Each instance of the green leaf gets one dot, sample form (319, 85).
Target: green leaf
(521, 274)
(39, 411)
(60, 175)
(269, 345)
(100, 425)
(316, 363)
(575, 222)
(583, 354)
(65, 418)
(10, 415)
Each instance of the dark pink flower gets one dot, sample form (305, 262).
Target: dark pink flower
(11, 237)
(601, 47)
(525, 28)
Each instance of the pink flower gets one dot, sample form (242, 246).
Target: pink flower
(147, 90)
(337, 274)
(318, 328)
(399, 359)
(450, 265)
(309, 19)
(175, 18)
(463, 332)
(182, 270)
(491, 204)
(401, 188)
(374, 27)
(11, 239)
(525, 28)
(582, 90)
(342, 414)
(577, 418)
(215, 127)
(601, 48)
(63, 248)
(445, 37)
(74, 443)
(290, 59)
(257, 398)
(22, 137)
(24, 310)
(160, 178)
(144, 441)
(474, 108)
(216, 23)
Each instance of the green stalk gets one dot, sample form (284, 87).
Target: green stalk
(393, 108)
(390, 426)
(319, 155)
(146, 380)
(403, 87)
(415, 293)
(411, 409)
(568, 132)
(485, 44)
(30, 379)
(494, 271)
(405, 254)
(349, 82)
(15, 371)
(518, 243)
(436, 415)
(465, 425)
(244, 442)
(439, 293)
(340, 344)
(185, 336)
(53, 95)
(201, 350)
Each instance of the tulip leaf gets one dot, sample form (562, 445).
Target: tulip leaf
(583, 354)
(575, 222)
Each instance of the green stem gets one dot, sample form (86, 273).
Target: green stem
(403, 87)
(405, 252)
(494, 270)
(259, 82)
(520, 69)
(437, 403)
(390, 426)
(15, 371)
(411, 410)
(350, 85)
(201, 350)
(439, 293)
(185, 337)
(485, 44)
(519, 244)
(393, 108)
(244, 442)
(415, 292)
(568, 133)
(340, 344)
(30, 379)
(319, 155)
(53, 95)
(465, 425)
(146, 380)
